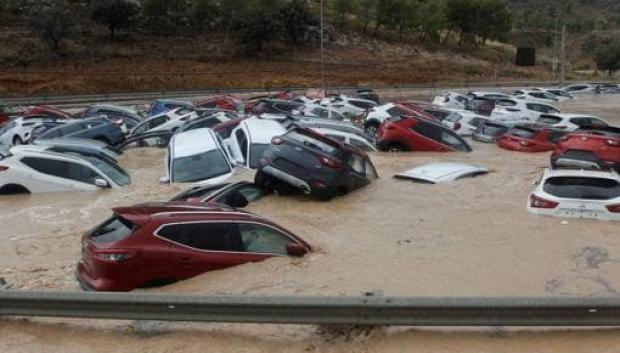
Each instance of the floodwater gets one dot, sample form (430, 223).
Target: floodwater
(470, 238)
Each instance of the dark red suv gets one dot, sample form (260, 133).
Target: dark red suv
(418, 134)
(158, 243)
(602, 145)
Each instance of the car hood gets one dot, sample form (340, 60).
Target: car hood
(441, 172)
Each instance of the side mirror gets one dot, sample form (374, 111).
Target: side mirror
(237, 200)
(101, 183)
(296, 249)
(164, 180)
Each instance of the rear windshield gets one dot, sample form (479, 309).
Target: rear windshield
(549, 119)
(312, 142)
(522, 132)
(112, 230)
(582, 188)
(198, 167)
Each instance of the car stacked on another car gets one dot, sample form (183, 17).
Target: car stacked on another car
(592, 146)
(305, 160)
(98, 128)
(530, 138)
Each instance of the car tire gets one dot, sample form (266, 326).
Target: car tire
(395, 148)
(371, 128)
(17, 140)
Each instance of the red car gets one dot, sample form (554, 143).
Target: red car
(222, 102)
(158, 243)
(46, 111)
(604, 146)
(530, 138)
(418, 134)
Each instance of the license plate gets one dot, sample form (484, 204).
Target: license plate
(579, 213)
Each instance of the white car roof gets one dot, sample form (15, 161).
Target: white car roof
(192, 142)
(611, 174)
(573, 115)
(442, 172)
(262, 131)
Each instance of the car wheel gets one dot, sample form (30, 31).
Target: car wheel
(395, 148)
(372, 128)
(17, 140)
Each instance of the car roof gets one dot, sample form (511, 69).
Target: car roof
(442, 171)
(261, 130)
(572, 115)
(191, 142)
(608, 174)
(113, 107)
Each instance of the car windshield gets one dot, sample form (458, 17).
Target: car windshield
(112, 230)
(588, 188)
(256, 151)
(113, 171)
(201, 166)
(522, 132)
(549, 119)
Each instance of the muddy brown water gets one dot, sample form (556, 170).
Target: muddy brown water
(470, 238)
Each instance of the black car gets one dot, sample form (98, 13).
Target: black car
(100, 128)
(313, 163)
(275, 106)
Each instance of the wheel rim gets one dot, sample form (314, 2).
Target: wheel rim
(372, 129)
(17, 140)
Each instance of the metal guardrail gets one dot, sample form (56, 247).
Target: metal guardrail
(371, 310)
(143, 96)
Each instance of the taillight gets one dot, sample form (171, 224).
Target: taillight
(525, 143)
(3, 168)
(276, 141)
(328, 162)
(614, 143)
(539, 202)
(114, 255)
(613, 208)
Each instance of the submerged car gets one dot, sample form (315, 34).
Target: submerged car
(515, 110)
(236, 195)
(33, 170)
(464, 122)
(198, 157)
(19, 131)
(313, 163)
(98, 128)
(530, 138)
(488, 131)
(443, 172)
(377, 115)
(601, 145)
(250, 139)
(222, 102)
(159, 243)
(572, 122)
(163, 105)
(168, 120)
(451, 100)
(417, 134)
(577, 194)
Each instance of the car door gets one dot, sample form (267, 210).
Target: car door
(63, 175)
(199, 246)
(238, 146)
(261, 241)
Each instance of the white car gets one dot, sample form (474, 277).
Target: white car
(580, 88)
(577, 194)
(536, 95)
(464, 122)
(442, 172)
(170, 120)
(572, 122)
(488, 95)
(19, 131)
(197, 157)
(515, 110)
(451, 99)
(250, 139)
(559, 93)
(349, 106)
(349, 138)
(206, 121)
(32, 170)
(319, 111)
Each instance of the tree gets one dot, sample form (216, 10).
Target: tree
(366, 10)
(342, 8)
(259, 27)
(54, 22)
(115, 14)
(296, 18)
(165, 15)
(430, 19)
(206, 13)
(461, 15)
(607, 57)
(493, 20)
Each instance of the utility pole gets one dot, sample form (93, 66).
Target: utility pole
(554, 65)
(322, 49)
(563, 56)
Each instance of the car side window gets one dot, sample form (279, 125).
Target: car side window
(204, 236)
(62, 169)
(357, 163)
(243, 143)
(261, 239)
(427, 130)
(320, 112)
